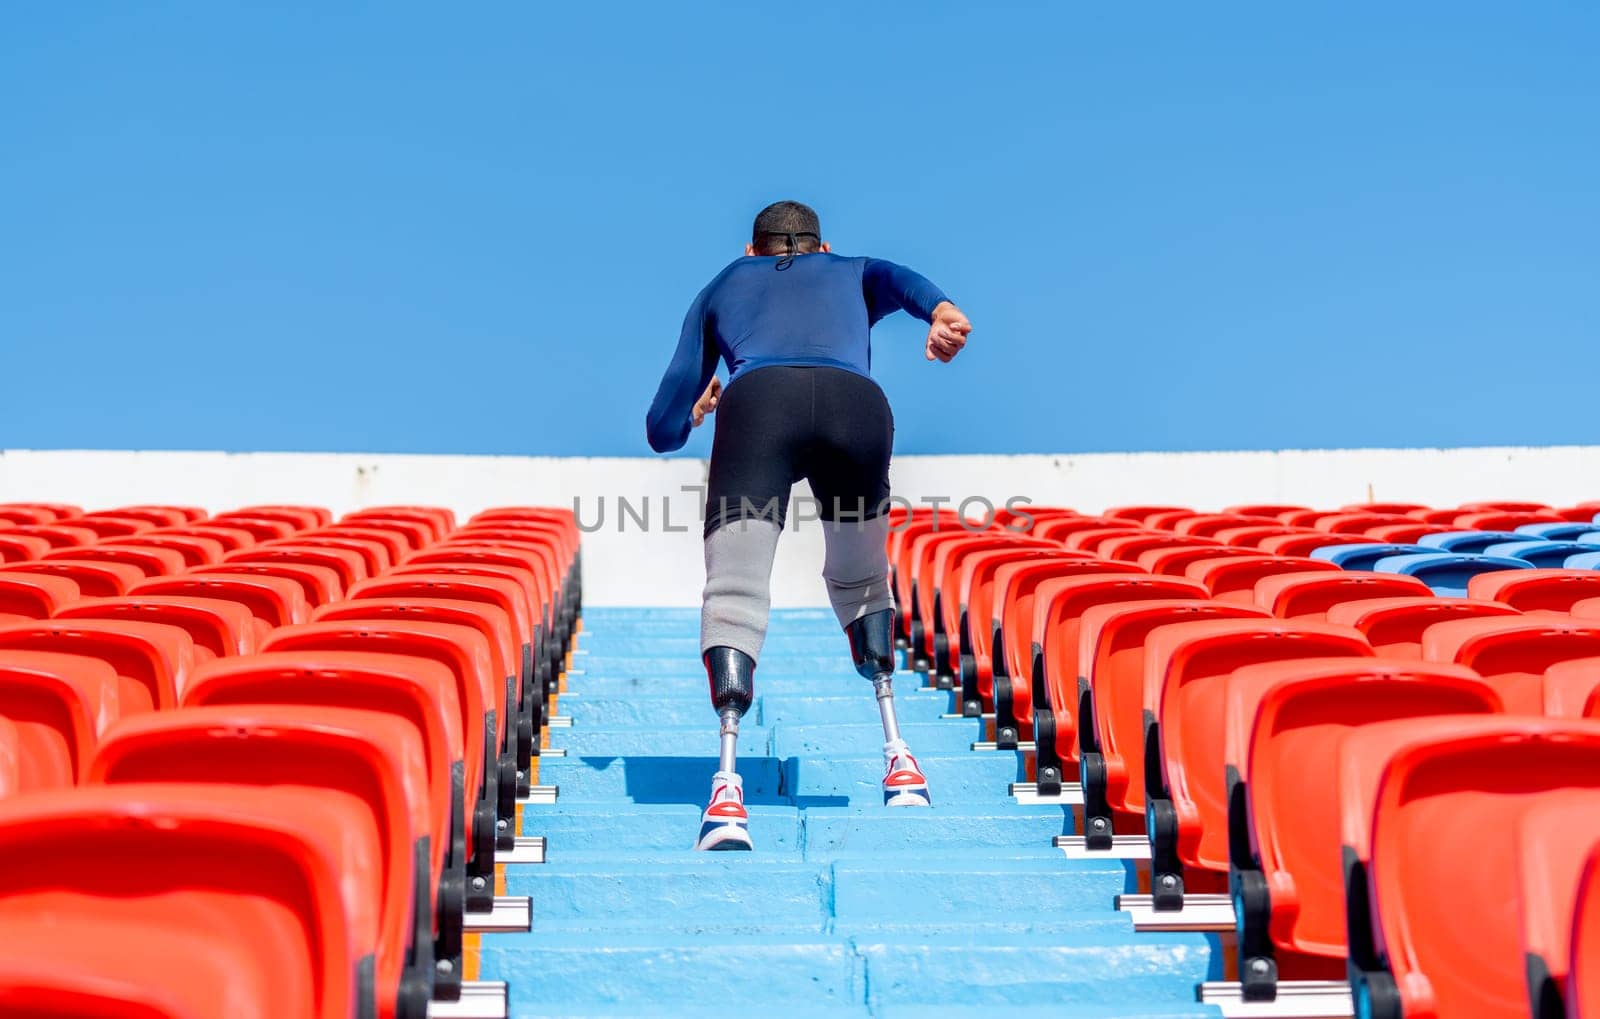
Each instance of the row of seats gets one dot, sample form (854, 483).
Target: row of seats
(313, 733)
(1387, 760)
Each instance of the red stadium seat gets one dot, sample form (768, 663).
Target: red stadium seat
(109, 525)
(1359, 523)
(1547, 591)
(16, 548)
(95, 578)
(231, 538)
(421, 692)
(1302, 518)
(978, 612)
(1283, 723)
(301, 518)
(1431, 932)
(1011, 633)
(1173, 562)
(1112, 641)
(196, 551)
(349, 565)
(1512, 654)
(1503, 506)
(58, 706)
(59, 535)
(534, 565)
(1186, 669)
(163, 516)
(899, 550)
(1554, 842)
(416, 534)
(1394, 626)
(444, 519)
(1252, 535)
(1398, 509)
(271, 601)
(260, 528)
(1129, 549)
(152, 660)
(1583, 984)
(1502, 520)
(1140, 514)
(1059, 528)
(152, 562)
(1405, 534)
(929, 555)
(946, 637)
(399, 539)
(34, 596)
(1089, 539)
(282, 867)
(466, 653)
(1572, 689)
(1208, 525)
(25, 516)
(374, 554)
(374, 759)
(1269, 510)
(218, 628)
(1170, 520)
(1234, 578)
(1302, 544)
(1310, 596)
(319, 585)
(1053, 667)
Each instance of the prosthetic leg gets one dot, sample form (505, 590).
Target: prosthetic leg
(725, 824)
(872, 648)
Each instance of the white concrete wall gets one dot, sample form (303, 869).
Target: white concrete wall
(628, 566)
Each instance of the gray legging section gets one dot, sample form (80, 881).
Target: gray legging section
(856, 567)
(738, 589)
(738, 592)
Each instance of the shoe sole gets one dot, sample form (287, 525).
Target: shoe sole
(909, 798)
(728, 837)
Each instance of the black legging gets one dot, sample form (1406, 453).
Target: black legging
(783, 423)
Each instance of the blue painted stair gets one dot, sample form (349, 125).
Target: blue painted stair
(846, 907)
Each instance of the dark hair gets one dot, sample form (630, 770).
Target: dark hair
(780, 221)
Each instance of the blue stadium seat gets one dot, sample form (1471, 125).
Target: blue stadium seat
(1448, 573)
(1583, 561)
(1543, 554)
(1364, 556)
(1557, 532)
(1468, 542)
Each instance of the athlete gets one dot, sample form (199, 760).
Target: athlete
(791, 320)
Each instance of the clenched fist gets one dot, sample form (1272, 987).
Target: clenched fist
(947, 333)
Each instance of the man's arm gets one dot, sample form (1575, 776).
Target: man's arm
(693, 365)
(889, 288)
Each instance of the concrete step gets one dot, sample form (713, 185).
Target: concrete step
(754, 740)
(950, 736)
(587, 831)
(693, 707)
(953, 778)
(820, 664)
(973, 828)
(698, 892)
(658, 741)
(777, 645)
(691, 682)
(922, 886)
(834, 781)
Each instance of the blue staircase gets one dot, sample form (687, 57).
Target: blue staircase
(846, 907)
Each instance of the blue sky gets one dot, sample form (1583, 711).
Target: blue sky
(410, 228)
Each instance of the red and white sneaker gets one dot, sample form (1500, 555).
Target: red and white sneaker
(904, 785)
(725, 825)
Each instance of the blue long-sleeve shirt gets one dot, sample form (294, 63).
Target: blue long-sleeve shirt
(819, 310)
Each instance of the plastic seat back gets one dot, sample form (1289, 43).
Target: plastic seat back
(1053, 663)
(1206, 525)
(1394, 626)
(217, 627)
(19, 548)
(1011, 632)
(1174, 562)
(1583, 983)
(1542, 554)
(1139, 514)
(1494, 520)
(197, 552)
(1252, 535)
(1358, 522)
(95, 578)
(374, 554)
(1234, 578)
(152, 660)
(110, 526)
(1554, 841)
(58, 535)
(319, 585)
(1572, 688)
(58, 706)
(1569, 531)
(375, 759)
(1112, 641)
(151, 561)
(1538, 590)
(1448, 574)
(1129, 549)
(1185, 685)
(349, 565)
(1405, 533)
(1413, 793)
(1513, 654)
(265, 868)
(300, 517)
(230, 538)
(262, 528)
(1302, 544)
(1309, 596)
(271, 601)
(1364, 555)
(948, 598)
(1283, 725)
(1468, 542)
(34, 595)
